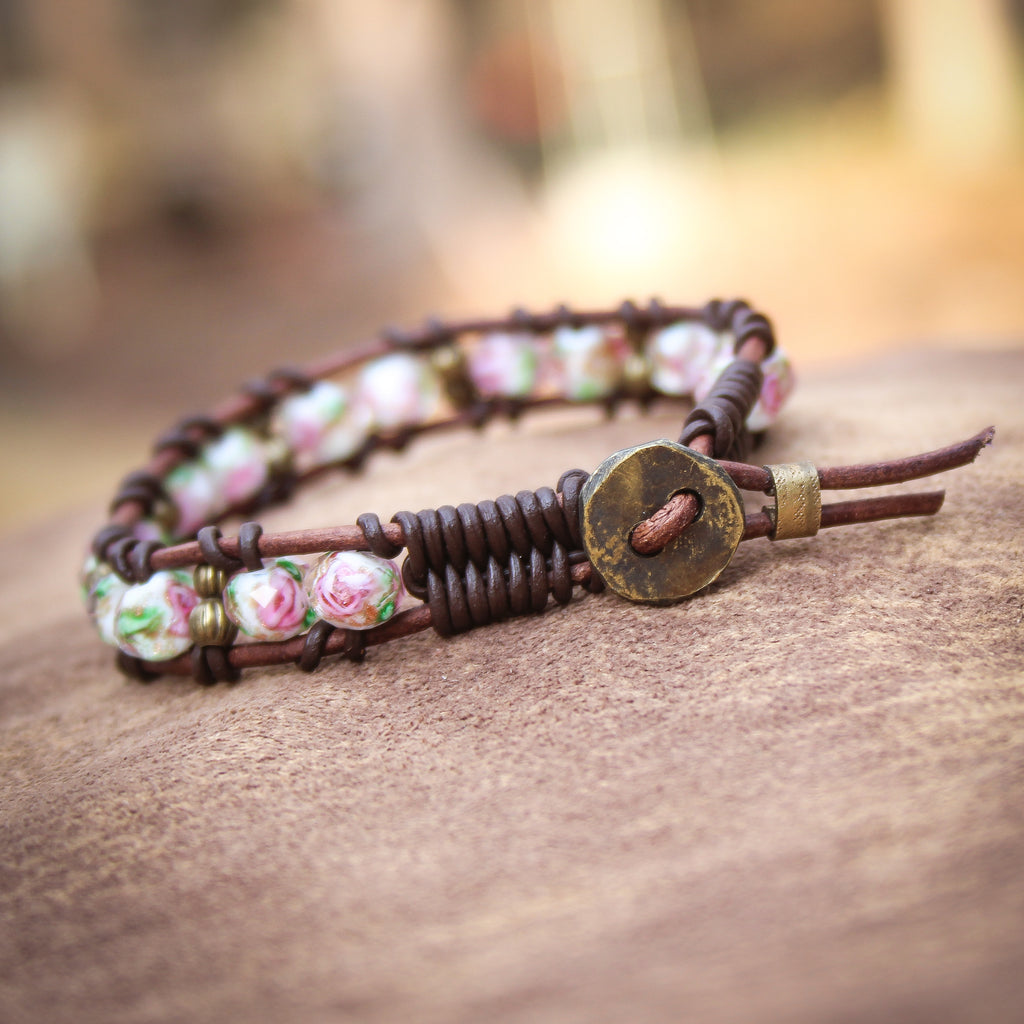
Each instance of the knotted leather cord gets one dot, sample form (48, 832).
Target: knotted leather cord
(478, 564)
(715, 427)
(475, 564)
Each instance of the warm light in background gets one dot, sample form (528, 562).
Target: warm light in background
(626, 221)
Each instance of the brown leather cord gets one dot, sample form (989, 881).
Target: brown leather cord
(912, 468)
(211, 665)
(744, 323)
(212, 553)
(312, 650)
(131, 558)
(876, 474)
(136, 668)
(354, 648)
(140, 487)
(249, 546)
(860, 510)
(189, 434)
(723, 413)
(671, 520)
(119, 554)
(276, 545)
(650, 536)
(281, 485)
(287, 379)
(263, 393)
(317, 644)
(106, 537)
(140, 558)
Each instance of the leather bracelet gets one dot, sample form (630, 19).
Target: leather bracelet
(654, 523)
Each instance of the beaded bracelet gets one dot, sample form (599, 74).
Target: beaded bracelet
(654, 523)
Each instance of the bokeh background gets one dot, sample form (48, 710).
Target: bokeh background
(194, 191)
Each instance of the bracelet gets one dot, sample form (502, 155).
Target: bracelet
(653, 523)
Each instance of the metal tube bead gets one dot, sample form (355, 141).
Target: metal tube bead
(797, 511)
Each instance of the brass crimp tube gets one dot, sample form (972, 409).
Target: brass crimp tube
(797, 511)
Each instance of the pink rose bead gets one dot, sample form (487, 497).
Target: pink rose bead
(354, 589)
(269, 603)
(589, 361)
(237, 463)
(779, 382)
(193, 493)
(320, 426)
(683, 356)
(504, 365)
(398, 390)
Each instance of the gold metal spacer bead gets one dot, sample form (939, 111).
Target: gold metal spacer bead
(165, 515)
(636, 375)
(279, 455)
(209, 625)
(209, 581)
(449, 363)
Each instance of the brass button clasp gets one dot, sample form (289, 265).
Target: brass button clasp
(632, 485)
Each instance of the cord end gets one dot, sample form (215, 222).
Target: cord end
(982, 440)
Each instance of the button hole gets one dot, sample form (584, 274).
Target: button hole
(672, 533)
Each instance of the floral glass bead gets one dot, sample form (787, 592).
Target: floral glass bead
(320, 426)
(682, 355)
(149, 529)
(589, 361)
(779, 382)
(354, 589)
(231, 470)
(92, 571)
(191, 489)
(237, 463)
(398, 390)
(504, 365)
(711, 371)
(102, 590)
(151, 621)
(269, 603)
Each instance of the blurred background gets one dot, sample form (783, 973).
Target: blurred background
(194, 191)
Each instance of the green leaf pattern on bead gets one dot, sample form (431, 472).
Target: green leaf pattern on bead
(152, 617)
